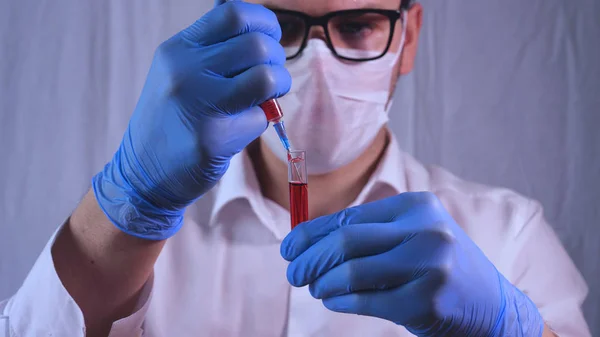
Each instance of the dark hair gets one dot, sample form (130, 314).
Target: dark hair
(405, 4)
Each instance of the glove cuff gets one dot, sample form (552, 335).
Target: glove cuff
(129, 211)
(519, 316)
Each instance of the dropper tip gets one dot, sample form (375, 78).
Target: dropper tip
(280, 129)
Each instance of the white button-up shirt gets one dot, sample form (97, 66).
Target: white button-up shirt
(222, 275)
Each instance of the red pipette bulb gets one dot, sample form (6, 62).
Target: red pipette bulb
(272, 110)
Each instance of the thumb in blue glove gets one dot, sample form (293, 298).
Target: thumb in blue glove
(198, 108)
(404, 259)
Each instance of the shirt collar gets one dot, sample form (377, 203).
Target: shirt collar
(240, 182)
(389, 173)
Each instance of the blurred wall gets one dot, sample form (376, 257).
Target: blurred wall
(505, 92)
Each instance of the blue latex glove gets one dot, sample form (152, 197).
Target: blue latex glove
(198, 108)
(404, 259)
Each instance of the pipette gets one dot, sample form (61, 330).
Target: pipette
(274, 115)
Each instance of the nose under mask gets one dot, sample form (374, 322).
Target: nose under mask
(335, 108)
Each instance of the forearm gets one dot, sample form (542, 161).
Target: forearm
(102, 268)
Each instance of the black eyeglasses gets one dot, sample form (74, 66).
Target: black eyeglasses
(354, 35)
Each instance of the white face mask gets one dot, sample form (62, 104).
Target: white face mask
(335, 108)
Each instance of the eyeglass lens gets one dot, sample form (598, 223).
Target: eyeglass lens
(352, 35)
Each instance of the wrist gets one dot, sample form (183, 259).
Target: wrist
(518, 315)
(130, 211)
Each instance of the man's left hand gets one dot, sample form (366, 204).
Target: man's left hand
(404, 259)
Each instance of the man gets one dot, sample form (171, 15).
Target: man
(412, 250)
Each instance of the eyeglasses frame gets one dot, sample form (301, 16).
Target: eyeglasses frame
(322, 21)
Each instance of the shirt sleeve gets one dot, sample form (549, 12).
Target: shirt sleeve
(543, 270)
(43, 307)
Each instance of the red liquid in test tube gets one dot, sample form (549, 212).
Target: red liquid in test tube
(298, 181)
(298, 203)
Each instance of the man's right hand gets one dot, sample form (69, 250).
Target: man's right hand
(198, 108)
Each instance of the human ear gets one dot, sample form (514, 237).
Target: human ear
(411, 39)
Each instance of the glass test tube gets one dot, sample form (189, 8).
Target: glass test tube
(298, 181)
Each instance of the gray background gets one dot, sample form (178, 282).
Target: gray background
(505, 92)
